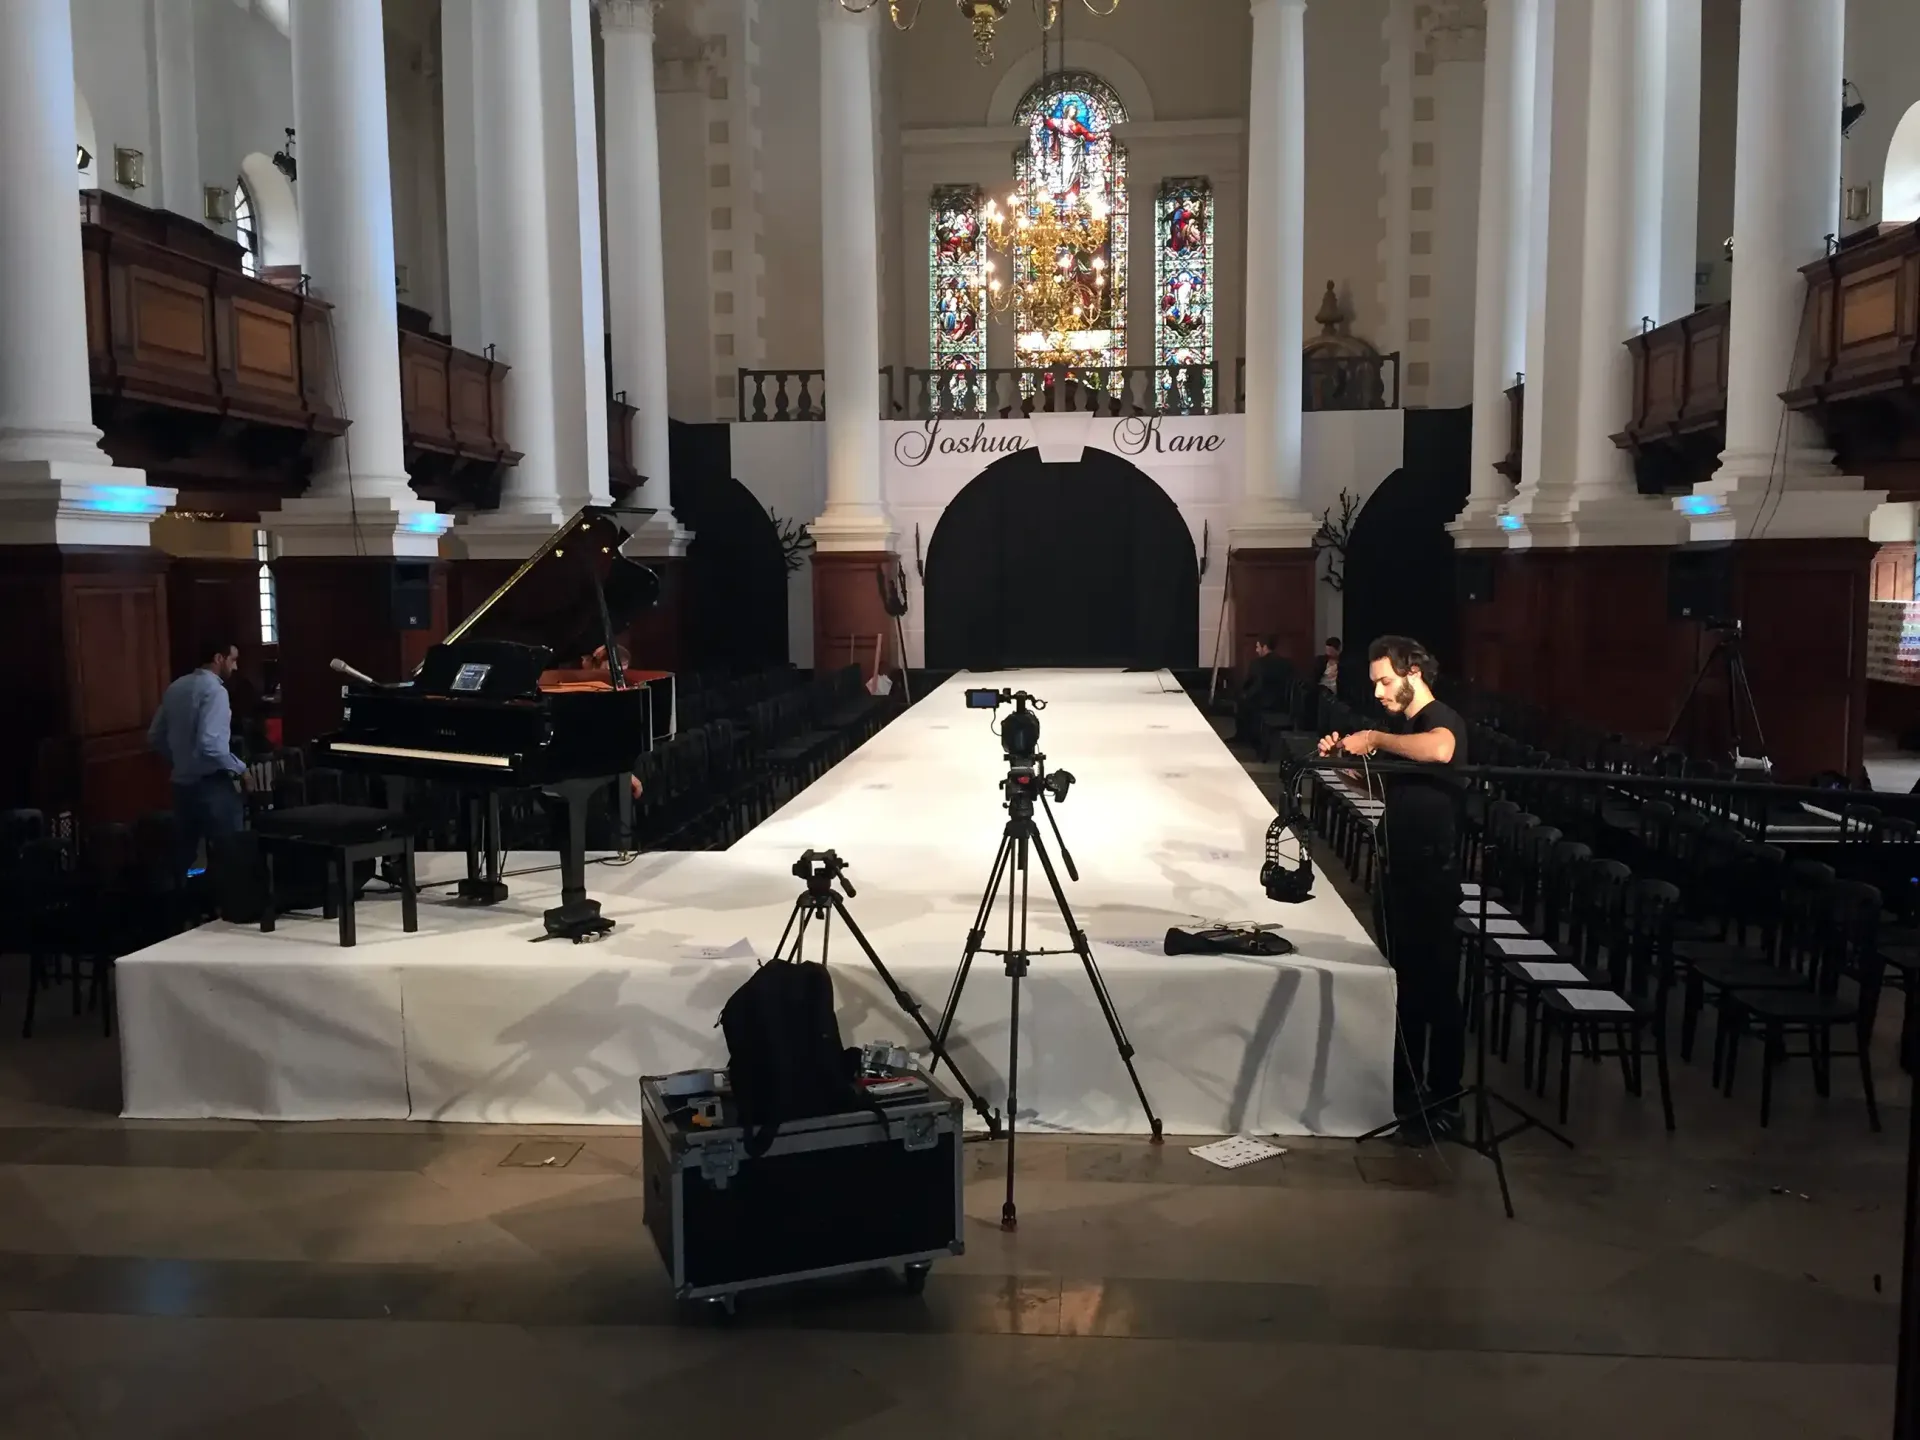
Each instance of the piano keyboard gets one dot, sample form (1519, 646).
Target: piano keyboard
(443, 757)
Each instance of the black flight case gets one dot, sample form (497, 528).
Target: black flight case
(830, 1196)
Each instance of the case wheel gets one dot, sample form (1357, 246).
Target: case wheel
(916, 1276)
(721, 1308)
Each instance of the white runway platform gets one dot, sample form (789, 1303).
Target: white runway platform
(467, 1020)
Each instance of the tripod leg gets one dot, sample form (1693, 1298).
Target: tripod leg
(912, 1008)
(1009, 1216)
(976, 937)
(1085, 952)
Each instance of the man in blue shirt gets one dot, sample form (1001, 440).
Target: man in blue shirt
(194, 729)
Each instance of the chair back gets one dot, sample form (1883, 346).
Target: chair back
(1648, 912)
(1849, 947)
(1596, 914)
(1568, 861)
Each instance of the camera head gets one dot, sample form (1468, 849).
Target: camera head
(820, 869)
(1020, 731)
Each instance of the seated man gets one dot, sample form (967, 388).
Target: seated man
(1264, 689)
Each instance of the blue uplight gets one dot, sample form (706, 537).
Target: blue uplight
(427, 522)
(1511, 522)
(1700, 505)
(120, 500)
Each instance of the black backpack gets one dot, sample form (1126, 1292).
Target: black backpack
(785, 1058)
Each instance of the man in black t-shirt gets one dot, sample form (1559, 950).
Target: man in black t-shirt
(1419, 845)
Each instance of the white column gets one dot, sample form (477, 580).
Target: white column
(517, 276)
(584, 243)
(358, 501)
(1786, 198)
(1676, 160)
(176, 125)
(460, 91)
(1270, 516)
(56, 485)
(855, 518)
(1500, 286)
(636, 281)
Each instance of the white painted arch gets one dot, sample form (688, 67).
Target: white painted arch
(1090, 55)
(276, 214)
(1900, 185)
(84, 135)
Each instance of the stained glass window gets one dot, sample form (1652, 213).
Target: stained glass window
(957, 330)
(1072, 160)
(1183, 322)
(269, 606)
(245, 227)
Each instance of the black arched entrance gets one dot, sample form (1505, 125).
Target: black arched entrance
(736, 572)
(1087, 563)
(1399, 570)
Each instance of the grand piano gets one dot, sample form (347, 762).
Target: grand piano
(528, 692)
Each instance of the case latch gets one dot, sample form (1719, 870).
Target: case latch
(719, 1162)
(921, 1132)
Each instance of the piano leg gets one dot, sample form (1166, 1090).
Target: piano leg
(483, 885)
(576, 917)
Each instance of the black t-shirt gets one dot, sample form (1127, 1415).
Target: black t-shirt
(1426, 805)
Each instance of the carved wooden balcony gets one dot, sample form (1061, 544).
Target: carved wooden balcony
(454, 417)
(1860, 371)
(212, 382)
(1678, 425)
(1516, 430)
(622, 474)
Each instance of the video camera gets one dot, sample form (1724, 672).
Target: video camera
(1027, 777)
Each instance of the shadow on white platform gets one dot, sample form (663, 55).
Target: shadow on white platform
(469, 1020)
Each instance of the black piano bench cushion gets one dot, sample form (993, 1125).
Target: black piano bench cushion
(333, 824)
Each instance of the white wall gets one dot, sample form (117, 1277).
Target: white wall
(790, 182)
(112, 67)
(1883, 60)
(1719, 103)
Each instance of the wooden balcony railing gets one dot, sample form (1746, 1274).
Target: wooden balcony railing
(1678, 425)
(1006, 393)
(210, 381)
(1859, 372)
(622, 474)
(1338, 382)
(453, 409)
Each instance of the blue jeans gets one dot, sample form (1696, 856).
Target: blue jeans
(205, 809)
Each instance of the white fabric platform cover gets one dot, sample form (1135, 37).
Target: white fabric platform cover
(468, 1020)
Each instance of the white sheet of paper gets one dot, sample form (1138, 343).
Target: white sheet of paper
(1469, 887)
(1236, 1151)
(1553, 972)
(1513, 949)
(1472, 907)
(1498, 925)
(1594, 1000)
(738, 950)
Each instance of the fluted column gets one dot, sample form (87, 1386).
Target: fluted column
(636, 282)
(56, 484)
(1786, 197)
(1500, 293)
(855, 517)
(1270, 516)
(358, 501)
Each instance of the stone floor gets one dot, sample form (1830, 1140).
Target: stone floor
(322, 1282)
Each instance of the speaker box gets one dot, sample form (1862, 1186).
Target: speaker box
(1700, 583)
(412, 594)
(1474, 572)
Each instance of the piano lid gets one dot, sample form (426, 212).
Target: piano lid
(553, 599)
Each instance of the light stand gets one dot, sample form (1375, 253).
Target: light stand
(1018, 841)
(822, 869)
(1486, 1137)
(1728, 652)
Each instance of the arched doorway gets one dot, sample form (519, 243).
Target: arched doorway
(1399, 570)
(1082, 564)
(1900, 185)
(736, 571)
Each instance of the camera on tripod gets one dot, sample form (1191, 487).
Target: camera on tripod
(1027, 777)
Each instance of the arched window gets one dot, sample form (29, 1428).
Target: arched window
(1900, 185)
(1183, 274)
(246, 227)
(1071, 158)
(956, 259)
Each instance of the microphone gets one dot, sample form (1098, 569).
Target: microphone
(352, 674)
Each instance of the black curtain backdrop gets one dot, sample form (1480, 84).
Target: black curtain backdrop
(736, 576)
(1083, 564)
(1399, 570)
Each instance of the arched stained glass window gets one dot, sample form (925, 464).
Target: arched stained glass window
(1183, 273)
(246, 228)
(957, 329)
(1072, 159)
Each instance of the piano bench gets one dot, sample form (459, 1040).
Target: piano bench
(344, 835)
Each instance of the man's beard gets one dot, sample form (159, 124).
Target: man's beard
(1401, 698)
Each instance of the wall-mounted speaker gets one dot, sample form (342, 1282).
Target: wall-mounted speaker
(1474, 572)
(1700, 583)
(412, 594)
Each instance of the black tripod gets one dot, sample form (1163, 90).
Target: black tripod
(1026, 782)
(1729, 655)
(821, 869)
(1484, 1137)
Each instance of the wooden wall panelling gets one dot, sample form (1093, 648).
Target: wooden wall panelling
(658, 637)
(1272, 594)
(1804, 604)
(342, 607)
(1892, 572)
(848, 613)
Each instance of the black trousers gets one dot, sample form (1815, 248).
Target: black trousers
(1420, 899)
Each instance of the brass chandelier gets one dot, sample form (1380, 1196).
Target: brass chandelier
(983, 15)
(1058, 261)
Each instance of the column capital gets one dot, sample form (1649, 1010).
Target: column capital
(1258, 5)
(628, 16)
